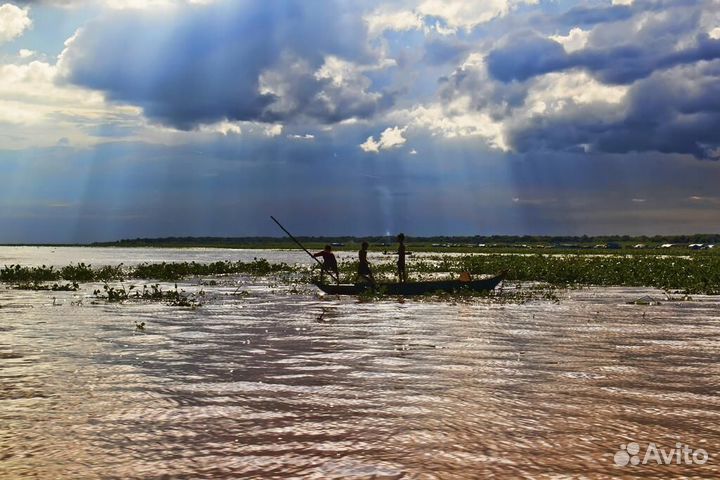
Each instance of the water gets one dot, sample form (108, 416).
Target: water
(276, 383)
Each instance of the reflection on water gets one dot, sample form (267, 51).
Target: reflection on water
(287, 385)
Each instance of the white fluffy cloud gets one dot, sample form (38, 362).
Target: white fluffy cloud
(336, 91)
(13, 21)
(123, 4)
(36, 111)
(474, 105)
(575, 40)
(397, 20)
(457, 120)
(226, 127)
(456, 14)
(555, 92)
(143, 4)
(392, 137)
(464, 14)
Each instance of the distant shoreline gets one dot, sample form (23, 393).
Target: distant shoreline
(462, 244)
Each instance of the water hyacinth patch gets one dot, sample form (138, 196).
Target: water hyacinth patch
(690, 274)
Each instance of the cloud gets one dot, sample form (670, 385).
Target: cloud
(307, 136)
(584, 79)
(642, 78)
(677, 111)
(391, 137)
(457, 120)
(36, 111)
(236, 61)
(468, 14)
(575, 40)
(526, 56)
(13, 21)
(622, 51)
(385, 19)
(444, 17)
(116, 4)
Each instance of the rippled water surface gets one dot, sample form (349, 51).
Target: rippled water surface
(266, 380)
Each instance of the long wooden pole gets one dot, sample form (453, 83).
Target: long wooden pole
(306, 250)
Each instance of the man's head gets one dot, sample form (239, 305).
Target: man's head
(328, 248)
(364, 246)
(401, 237)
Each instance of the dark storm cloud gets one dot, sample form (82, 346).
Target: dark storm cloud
(526, 55)
(588, 16)
(660, 50)
(531, 55)
(627, 43)
(670, 112)
(204, 64)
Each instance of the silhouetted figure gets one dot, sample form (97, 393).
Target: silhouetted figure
(364, 271)
(329, 263)
(402, 271)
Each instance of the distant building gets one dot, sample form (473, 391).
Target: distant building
(666, 245)
(640, 245)
(697, 246)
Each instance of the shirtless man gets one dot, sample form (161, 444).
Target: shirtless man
(329, 263)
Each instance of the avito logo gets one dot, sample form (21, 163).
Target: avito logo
(681, 455)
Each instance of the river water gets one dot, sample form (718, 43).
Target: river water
(267, 380)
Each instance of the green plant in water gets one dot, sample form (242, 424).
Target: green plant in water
(154, 293)
(67, 287)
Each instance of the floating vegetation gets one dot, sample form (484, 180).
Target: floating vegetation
(154, 293)
(698, 273)
(693, 274)
(176, 271)
(84, 273)
(80, 273)
(67, 287)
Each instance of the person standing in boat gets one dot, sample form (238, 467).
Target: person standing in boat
(364, 271)
(402, 271)
(329, 263)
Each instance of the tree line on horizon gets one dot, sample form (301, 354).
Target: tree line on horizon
(442, 239)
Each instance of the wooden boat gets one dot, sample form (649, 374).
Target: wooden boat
(414, 288)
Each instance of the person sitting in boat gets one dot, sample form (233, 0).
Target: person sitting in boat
(329, 263)
(402, 271)
(364, 271)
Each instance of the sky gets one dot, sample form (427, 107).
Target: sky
(129, 118)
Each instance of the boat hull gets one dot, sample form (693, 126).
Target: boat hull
(414, 288)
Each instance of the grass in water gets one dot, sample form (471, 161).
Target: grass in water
(67, 287)
(155, 293)
(695, 273)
